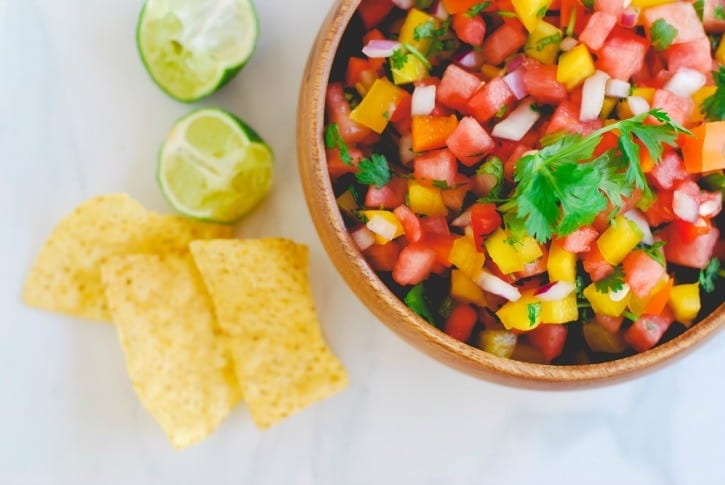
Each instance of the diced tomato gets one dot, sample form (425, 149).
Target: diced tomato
(565, 13)
(540, 81)
(598, 27)
(504, 41)
(375, 34)
(439, 166)
(456, 88)
(566, 118)
(595, 264)
(410, 222)
(611, 324)
(622, 54)
(485, 219)
(660, 211)
(680, 15)
(435, 225)
(389, 196)
(356, 67)
(712, 21)
(642, 273)
(461, 321)
(695, 253)
(612, 7)
(580, 241)
(549, 339)
(338, 111)
(382, 257)
(402, 110)
(609, 141)
(469, 30)
(489, 100)
(648, 330)
(670, 170)
(470, 142)
(695, 55)
(373, 12)
(337, 168)
(459, 6)
(679, 109)
(453, 198)
(414, 264)
(441, 245)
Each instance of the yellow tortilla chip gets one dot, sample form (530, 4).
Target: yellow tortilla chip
(178, 362)
(66, 278)
(262, 297)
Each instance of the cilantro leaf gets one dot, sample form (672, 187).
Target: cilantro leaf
(541, 13)
(662, 34)
(699, 8)
(424, 31)
(492, 167)
(534, 310)
(333, 139)
(428, 30)
(709, 276)
(399, 59)
(416, 301)
(714, 107)
(654, 251)
(477, 9)
(415, 52)
(507, 14)
(719, 12)
(548, 40)
(714, 182)
(613, 282)
(374, 171)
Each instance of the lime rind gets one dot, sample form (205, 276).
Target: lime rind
(191, 48)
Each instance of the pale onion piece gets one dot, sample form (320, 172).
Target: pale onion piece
(378, 49)
(382, 228)
(468, 231)
(363, 237)
(709, 208)
(518, 123)
(620, 294)
(686, 82)
(593, 96)
(497, 286)
(405, 149)
(404, 4)
(439, 11)
(463, 220)
(424, 101)
(685, 206)
(568, 44)
(555, 291)
(636, 216)
(638, 105)
(616, 88)
(515, 81)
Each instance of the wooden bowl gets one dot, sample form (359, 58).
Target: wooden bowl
(385, 305)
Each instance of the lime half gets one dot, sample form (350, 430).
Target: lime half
(193, 47)
(214, 167)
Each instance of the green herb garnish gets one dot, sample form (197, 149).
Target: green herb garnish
(374, 171)
(333, 139)
(416, 301)
(613, 282)
(662, 34)
(709, 276)
(714, 107)
(399, 59)
(477, 9)
(548, 40)
(719, 12)
(654, 251)
(507, 14)
(534, 310)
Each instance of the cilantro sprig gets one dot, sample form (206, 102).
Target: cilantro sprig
(416, 301)
(333, 139)
(477, 9)
(560, 188)
(534, 311)
(662, 34)
(613, 282)
(709, 276)
(713, 107)
(719, 12)
(399, 59)
(439, 42)
(654, 251)
(374, 171)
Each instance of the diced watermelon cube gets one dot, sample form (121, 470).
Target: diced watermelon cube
(695, 55)
(595, 264)
(382, 257)
(338, 111)
(597, 29)
(439, 165)
(609, 323)
(470, 142)
(414, 264)
(671, 169)
(642, 273)
(461, 321)
(504, 41)
(456, 88)
(388, 196)
(410, 222)
(489, 100)
(648, 330)
(540, 82)
(712, 21)
(454, 198)
(337, 168)
(611, 7)
(679, 109)
(435, 225)
(469, 30)
(680, 15)
(549, 339)
(566, 118)
(580, 241)
(693, 254)
(622, 54)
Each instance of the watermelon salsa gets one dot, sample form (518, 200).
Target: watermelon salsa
(541, 179)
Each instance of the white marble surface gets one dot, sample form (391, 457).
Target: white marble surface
(79, 117)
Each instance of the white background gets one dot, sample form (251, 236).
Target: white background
(80, 117)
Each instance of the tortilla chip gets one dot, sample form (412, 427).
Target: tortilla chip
(262, 297)
(178, 362)
(66, 278)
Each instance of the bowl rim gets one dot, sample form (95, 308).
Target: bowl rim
(379, 299)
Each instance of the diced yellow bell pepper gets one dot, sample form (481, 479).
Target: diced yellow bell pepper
(528, 249)
(720, 52)
(685, 302)
(347, 203)
(515, 314)
(377, 106)
(465, 257)
(600, 339)
(701, 95)
(574, 67)
(560, 311)
(415, 19)
(389, 217)
(465, 289)
(543, 43)
(490, 72)
(498, 342)
(607, 108)
(648, 94)
(619, 240)
(561, 264)
(424, 200)
(624, 112)
(650, 3)
(503, 253)
(602, 303)
(413, 70)
(638, 305)
(531, 12)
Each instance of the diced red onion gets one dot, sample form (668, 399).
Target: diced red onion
(709, 208)
(568, 44)
(629, 17)
(382, 228)
(617, 88)
(685, 82)
(404, 4)
(463, 220)
(497, 286)
(593, 96)
(470, 59)
(481, 184)
(515, 63)
(424, 101)
(515, 81)
(439, 11)
(405, 149)
(518, 123)
(620, 294)
(685, 206)
(363, 237)
(378, 49)
(638, 105)
(555, 291)
(640, 221)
